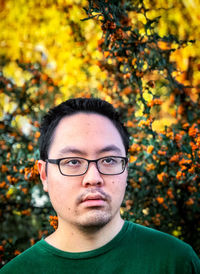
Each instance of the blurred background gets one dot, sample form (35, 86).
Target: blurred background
(142, 56)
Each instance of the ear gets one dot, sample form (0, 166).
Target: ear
(43, 174)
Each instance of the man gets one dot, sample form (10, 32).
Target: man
(83, 168)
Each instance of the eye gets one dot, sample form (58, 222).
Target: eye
(73, 162)
(109, 161)
(70, 162)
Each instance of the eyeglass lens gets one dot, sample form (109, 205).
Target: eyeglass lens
(78, 166)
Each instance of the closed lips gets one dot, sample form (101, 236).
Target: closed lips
(93, 197)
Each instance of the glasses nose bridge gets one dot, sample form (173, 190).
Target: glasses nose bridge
(93, 161)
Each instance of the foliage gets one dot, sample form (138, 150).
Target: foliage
(20, 185)
(165, 164)
(151, 76)
(50, 32)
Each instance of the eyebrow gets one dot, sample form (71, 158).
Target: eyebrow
(73, 150)
(110, 148)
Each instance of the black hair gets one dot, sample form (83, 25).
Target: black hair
(72, 106)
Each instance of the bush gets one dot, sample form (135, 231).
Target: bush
(163, 189)
(20, 182)
(164, 178)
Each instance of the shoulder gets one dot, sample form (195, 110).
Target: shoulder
(25, 260)
(145, 234)
(162, 246)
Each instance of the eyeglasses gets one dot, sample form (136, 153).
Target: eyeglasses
(77, 166)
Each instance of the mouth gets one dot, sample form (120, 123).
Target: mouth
(93, 200)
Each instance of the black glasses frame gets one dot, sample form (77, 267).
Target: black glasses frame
(57, 162)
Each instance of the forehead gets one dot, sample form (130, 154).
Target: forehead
(86, 131)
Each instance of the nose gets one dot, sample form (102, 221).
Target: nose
(92, 177)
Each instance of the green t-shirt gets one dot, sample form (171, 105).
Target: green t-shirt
(134, 250)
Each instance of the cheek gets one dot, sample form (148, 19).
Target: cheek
(62, 195)
(62, 202)
(118, 189)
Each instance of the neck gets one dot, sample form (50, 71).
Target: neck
(71, 238)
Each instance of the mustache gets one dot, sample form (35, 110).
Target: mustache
(94, 191)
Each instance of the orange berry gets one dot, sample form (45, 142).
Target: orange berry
(16, 252)
(150, 149)
(30, 147)
(129, 124)
(134, 61)
(127, 90)
(4, 168)
(163, 153)
(150, 167)
(161, 176)
(106, 54)
(189, 202)
(1, 248)
(174, 158)
(37, 134)
(160, 200)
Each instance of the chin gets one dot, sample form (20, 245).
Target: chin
(94, 220)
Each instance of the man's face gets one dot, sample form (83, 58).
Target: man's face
(92, 199)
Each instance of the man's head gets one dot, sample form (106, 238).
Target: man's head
(73, 106)
(81, 132)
